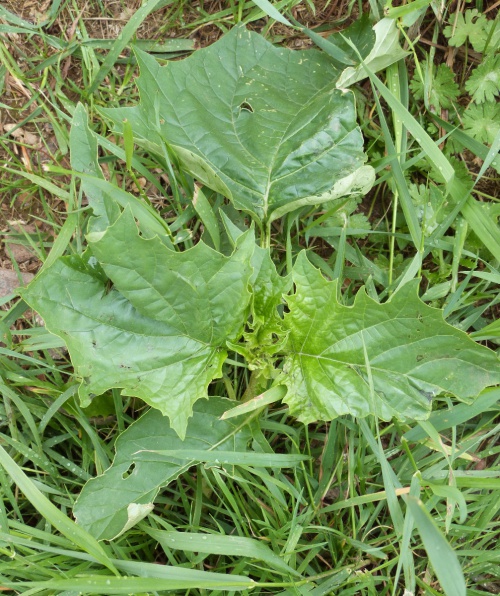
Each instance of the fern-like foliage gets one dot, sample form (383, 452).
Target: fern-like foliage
(484, 82)
(441, 89)
(481, 32)
(482, 121)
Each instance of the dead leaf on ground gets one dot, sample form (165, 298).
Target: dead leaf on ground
(23, 136)
(9, 281)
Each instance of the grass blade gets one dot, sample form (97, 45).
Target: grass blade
(442, 557)
(123, 39)
(52, 514)
(456, 415)
(271, 11)
(242, 458)
(234, 546)
(399, 179)
(264, 399)
(483, 225)
(101, 584)
(420, 135)
(205, 212)
(391, 482)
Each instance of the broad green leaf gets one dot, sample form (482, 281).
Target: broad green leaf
(160, 333)
(263, 125)
(83, 144)
(173, 579)
(385, 51)
(198, 292)
(84, 159)
(387, 359)
(441, 555)
(124, 494)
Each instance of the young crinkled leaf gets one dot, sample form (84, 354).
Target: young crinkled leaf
(160, 333)
(263, 125)
(124, 494)
(268, 288)
(385, 359)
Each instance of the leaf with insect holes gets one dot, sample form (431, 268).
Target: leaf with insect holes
(262, 125)
(384, 359)
(124, 494)
(484, 81)
(160, 332)
(150, 455)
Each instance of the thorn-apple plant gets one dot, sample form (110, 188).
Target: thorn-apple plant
(267, 129)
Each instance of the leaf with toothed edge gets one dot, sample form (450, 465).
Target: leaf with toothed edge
(263, 125)
(384, 359)
(160, 332)
(124, 494)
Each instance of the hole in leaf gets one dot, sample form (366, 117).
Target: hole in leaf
(246, 106)
(108, 287)
(129, 471)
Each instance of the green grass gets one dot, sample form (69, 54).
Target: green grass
(348, 521)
